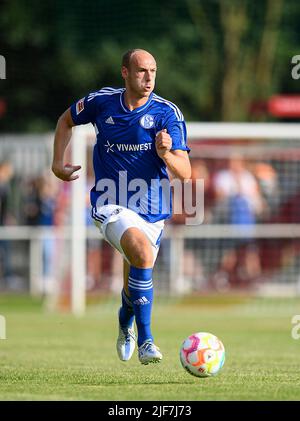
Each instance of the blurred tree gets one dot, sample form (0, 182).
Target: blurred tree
(215, 57)
(248, 65)
(241, 40)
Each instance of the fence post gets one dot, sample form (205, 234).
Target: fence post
(78, 229)
(177, 283)
(35, 266)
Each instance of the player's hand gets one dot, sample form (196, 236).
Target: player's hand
(66, 172)
(163, 143)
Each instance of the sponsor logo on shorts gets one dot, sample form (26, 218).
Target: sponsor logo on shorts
(117, 211)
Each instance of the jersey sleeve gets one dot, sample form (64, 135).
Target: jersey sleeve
(84, 110)
(175, 125)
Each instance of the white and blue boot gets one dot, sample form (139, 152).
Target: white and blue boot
(149, 353)
(126, 342)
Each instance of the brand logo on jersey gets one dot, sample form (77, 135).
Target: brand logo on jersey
(109, 147)
(147, 121)
(79, 106)
(109, 120)
(125, 147)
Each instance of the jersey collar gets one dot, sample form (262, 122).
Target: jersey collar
(136, 110)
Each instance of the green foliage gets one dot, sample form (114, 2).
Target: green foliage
(214, 57)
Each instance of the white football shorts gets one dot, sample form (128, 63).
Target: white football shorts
(114, 220)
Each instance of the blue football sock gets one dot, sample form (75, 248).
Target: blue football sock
(126, 314)
(141, 295)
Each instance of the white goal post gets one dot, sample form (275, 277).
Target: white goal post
(78, 223)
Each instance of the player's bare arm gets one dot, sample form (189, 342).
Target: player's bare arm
(62, 137)
(177, 161)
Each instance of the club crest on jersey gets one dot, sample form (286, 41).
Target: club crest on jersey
(147, 121)
(79, 106)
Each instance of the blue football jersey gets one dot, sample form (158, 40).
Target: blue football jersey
(128, 170)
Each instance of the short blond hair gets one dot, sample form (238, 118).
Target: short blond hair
(127, 56)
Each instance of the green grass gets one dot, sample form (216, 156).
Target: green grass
(60, 357)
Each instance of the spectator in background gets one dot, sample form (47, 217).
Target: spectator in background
(238, 201)
(31, 202)
(6, 174)
(199, 172)
(48, 191)
(237, 193)
(194, 270)
(267, 179)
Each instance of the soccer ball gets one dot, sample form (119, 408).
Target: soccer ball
(202, 354)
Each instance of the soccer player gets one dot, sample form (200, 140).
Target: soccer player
(141, 140)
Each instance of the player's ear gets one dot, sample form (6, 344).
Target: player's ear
(124, 72)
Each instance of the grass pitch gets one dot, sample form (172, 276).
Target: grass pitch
(60, 357)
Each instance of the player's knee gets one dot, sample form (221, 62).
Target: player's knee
(137, 248)
(142, 260)
(140, 256)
